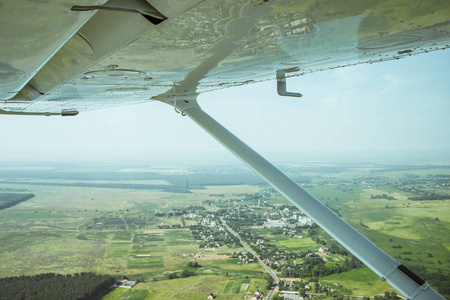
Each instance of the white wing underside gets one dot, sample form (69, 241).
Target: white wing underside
(55, 58)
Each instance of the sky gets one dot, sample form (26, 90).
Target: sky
(390, 111)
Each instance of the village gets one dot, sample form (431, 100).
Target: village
(211, 232)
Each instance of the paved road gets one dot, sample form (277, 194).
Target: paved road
(247, 247)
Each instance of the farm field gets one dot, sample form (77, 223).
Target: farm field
(224, 288)
(144, 233)
(49, 233)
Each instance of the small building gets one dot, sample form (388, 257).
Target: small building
(274, 224)
(126, 283)
(257, 295)
(290, 295)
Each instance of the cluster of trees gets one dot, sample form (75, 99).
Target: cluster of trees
(269, 281)
(210, 236)
(193, 208)
(430, 196)
(165, 188)
(181, 211)
(386, 296)
(314, 266)
(363, 225)
(440, 282)
(185, 273)
(241, 217)
(252, 199)
(171, 214)
(193, 264)
(257, 198)
(313, 229)
(383, 196)
(9, 199)
(439, 279)
(335, 249)
(49, 286)
(175, 226)
(208, 202)
(290, 207)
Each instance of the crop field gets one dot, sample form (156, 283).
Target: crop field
(48, 251)
(352, 281)
(420, 228)
(72, 229)
(225, 288)
(49, 232)
(296, 245)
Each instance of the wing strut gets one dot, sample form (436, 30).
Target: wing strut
(397, 275)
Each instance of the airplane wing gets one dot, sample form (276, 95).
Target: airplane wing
(66, 56)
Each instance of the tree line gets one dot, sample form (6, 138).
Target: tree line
(314, 266)
(430, 196)
(8, 199)
(49, 286)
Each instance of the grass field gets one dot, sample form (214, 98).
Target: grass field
(194, 288)
(49, 232)
(361, 281)
(55, 232)
(297, 244)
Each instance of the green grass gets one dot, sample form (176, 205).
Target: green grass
(196, 287)
(28, 253)
(117, 254)
(178, 237)
(134, 262)
(362, 282)
(122, 236)
(297, 245)
(127, 294)
(148, 237)
(233, 287)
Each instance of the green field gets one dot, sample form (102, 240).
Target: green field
(358, 282)
(193, 288)
(59, 231)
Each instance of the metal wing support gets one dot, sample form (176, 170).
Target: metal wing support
(398, 276)
(281, 84)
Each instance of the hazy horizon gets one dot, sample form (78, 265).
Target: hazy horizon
(208, 159)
